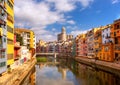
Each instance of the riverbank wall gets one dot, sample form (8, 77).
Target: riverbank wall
(110, 67)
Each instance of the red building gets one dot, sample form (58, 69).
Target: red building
(16, 48)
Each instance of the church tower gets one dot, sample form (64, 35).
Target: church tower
(63, 34)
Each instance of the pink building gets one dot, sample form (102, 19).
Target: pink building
(81, 45)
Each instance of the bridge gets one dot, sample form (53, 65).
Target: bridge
(47, 54)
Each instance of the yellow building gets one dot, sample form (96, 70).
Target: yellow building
(28, 38)
(97, 42)
(10, 31)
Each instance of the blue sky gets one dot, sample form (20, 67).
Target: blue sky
(46, 17)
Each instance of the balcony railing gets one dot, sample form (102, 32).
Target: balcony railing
(108, 37)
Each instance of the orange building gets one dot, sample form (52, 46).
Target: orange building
(115, 33)
(107, 44)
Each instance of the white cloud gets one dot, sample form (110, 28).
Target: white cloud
(53, 29)
(85, 3)
(63, 5)
(115, 1)
(38, 15)
(76, 32)
(72, 27)
(71, 22)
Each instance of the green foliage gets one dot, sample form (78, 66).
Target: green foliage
(41, 59)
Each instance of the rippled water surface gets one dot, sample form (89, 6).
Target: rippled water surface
(72, 73)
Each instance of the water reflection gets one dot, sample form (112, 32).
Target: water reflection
(69, 72)
(87, 75)
(52, 75)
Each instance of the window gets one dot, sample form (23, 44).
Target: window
(9, 41)
(4, 39)
(9, 29)
(2, 64)
(118, 26)
(2, 53)
(10, 18)
(103, 36)
(107, 35)
(106, 49)
(114, 33)
(9, 56)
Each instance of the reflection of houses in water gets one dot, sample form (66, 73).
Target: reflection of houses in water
(41, 65)
(63, 71)
(91, 76)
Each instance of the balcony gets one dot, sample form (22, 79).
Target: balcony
(107, 37)
(117, 33)
(117, 47)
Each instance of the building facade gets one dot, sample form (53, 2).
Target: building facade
(98, 43)
(81, 45)
(28, 39)
(3, 37)
(107, 44)
(10, 32)
(115, 34)
(90, 44)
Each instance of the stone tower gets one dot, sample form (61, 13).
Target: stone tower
(63, 34)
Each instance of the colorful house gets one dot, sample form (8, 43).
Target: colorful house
(90, 44)
(107, 44)
(16, 49)
(28, 39)
(3, 38)
(98, 42)
(81, 45)
(115, 34)
(77, 39)
(9, 4)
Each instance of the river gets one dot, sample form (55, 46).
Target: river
(70, 72)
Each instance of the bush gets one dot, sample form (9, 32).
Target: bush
(41, 59)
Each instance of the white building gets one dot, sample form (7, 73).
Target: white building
(106, 35)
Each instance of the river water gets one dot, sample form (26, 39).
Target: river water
(65, 72)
